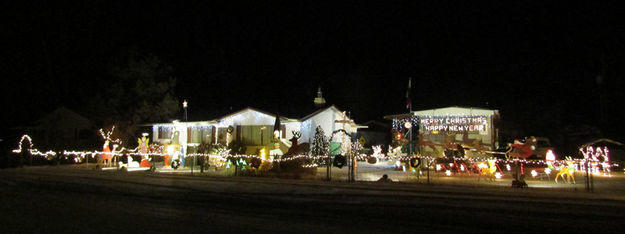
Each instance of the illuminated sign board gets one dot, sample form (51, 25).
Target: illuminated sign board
(454, 123)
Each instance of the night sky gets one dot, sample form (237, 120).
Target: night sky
(536, 62)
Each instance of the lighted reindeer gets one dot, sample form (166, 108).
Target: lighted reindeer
(297, 149)
(488, 171)
(568, 170)
(107, 155)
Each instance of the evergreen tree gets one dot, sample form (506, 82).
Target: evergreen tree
(141, 90)
(320, 145)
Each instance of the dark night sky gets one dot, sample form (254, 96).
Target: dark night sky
(536, 62)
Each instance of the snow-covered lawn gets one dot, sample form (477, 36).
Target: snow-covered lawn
(80, 199)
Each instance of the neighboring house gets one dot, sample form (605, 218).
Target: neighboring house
(252, 127)
(63, 129)
(377, 133)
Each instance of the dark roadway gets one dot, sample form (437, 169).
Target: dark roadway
(79, 200)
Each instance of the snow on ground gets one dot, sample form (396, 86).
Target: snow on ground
(80, 199)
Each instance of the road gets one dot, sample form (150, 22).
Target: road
(79, 199)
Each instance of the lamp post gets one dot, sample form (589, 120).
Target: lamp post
(185, 104)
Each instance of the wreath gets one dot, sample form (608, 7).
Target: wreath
(175, 164)
(339, 161)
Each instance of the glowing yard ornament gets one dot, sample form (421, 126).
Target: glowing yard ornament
(569, 170)
(498, 175)
(534, 173)
(377, 151)
(550, 156)
(596, 156)
(143, 149)
(34, 152)
(242, 163)
(438, 167)
(106, 153)
(508, 167)
(448, 172)
(107, 136)
(19, 144)
(547, 171)
(263, 155)
(143, 144)
(489, 170)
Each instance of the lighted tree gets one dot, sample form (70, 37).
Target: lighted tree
(320, 144)
(141, 90)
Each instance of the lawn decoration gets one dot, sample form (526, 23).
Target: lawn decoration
(107, 156)
(174, 151)
(377, 154)
(521, 149)
(144, 150)
(488, 171)
(297, 149)
(595, 157)
(28, 150)
(340, 161)
(568, 170)
(255, 162)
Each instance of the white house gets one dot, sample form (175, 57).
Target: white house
(330, 119)
(254, 128)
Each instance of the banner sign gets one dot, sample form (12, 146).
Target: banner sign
(454, 123)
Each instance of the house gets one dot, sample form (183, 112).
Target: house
(441, 128)
(330, 119)
(376, 133)
(63, 129)
(252, 127)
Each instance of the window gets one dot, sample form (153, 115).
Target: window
(207, 135)
(194, 135)
(256, 134)
(221, 135)
(165, 132)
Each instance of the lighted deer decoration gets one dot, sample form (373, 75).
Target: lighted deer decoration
(568, 170)
(107, 155)
(297, 149)
(488, 171)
